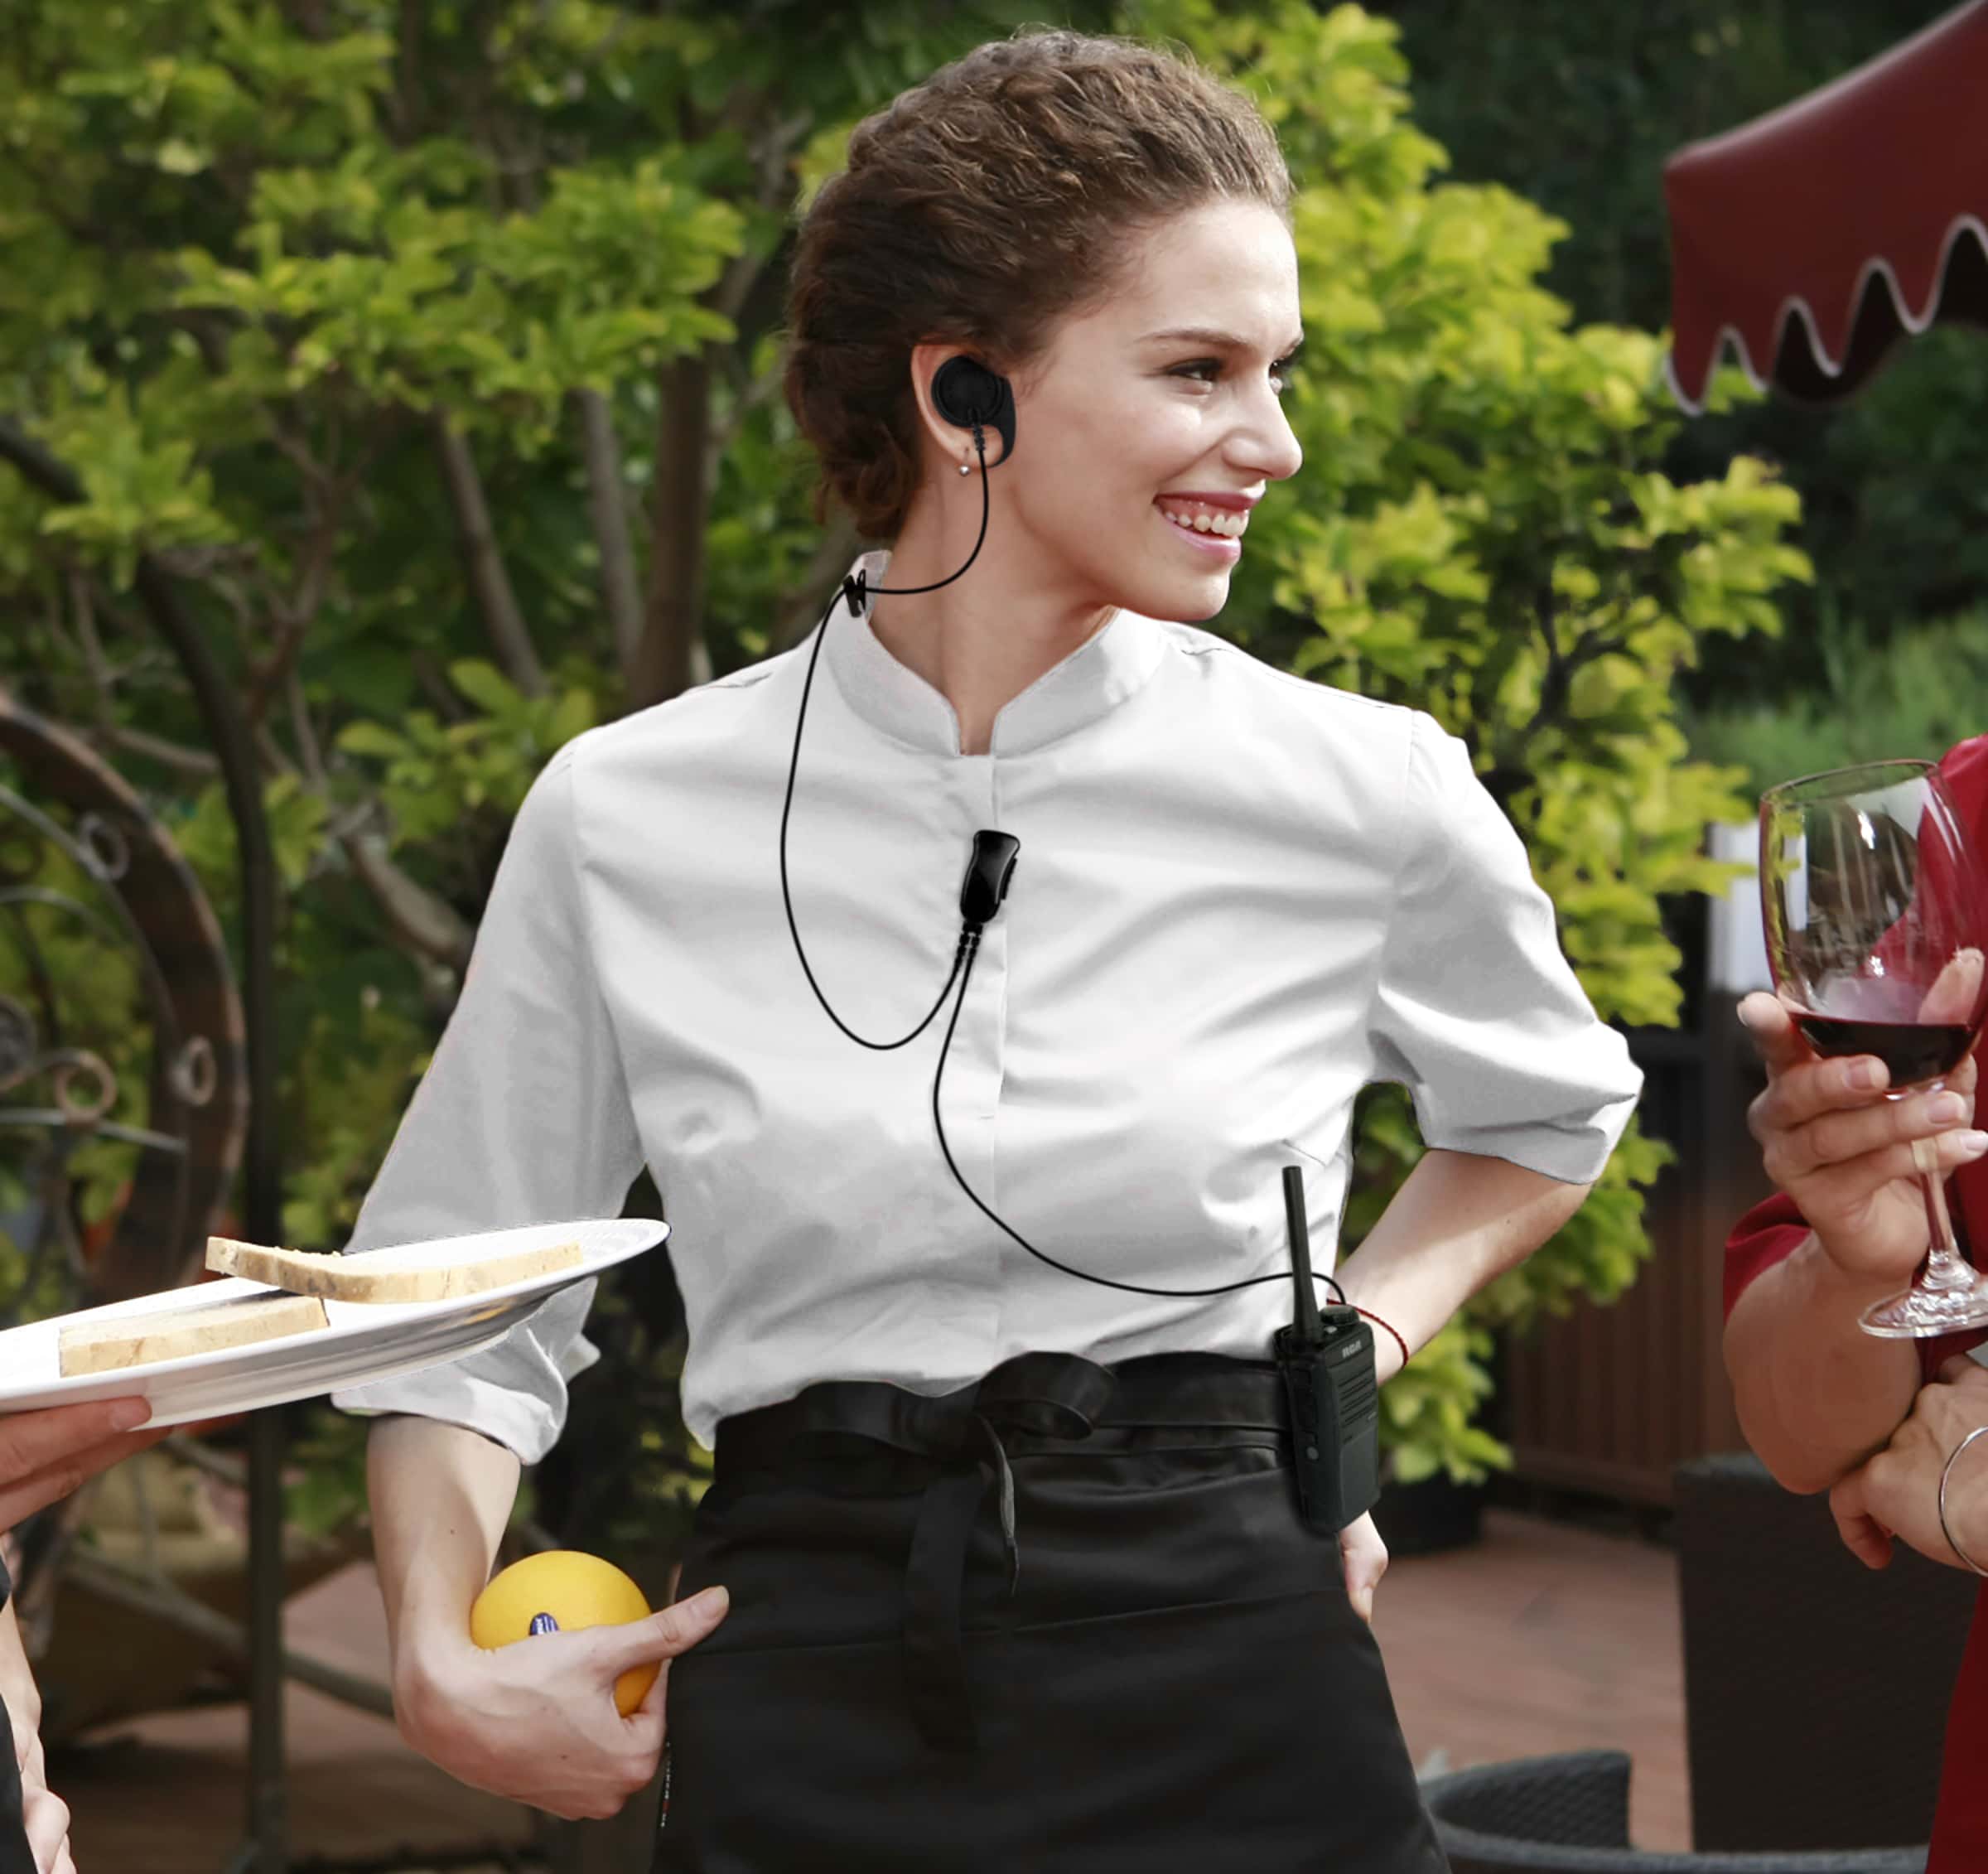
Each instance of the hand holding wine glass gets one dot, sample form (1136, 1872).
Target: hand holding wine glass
(1877, 924)
(1843, 1152)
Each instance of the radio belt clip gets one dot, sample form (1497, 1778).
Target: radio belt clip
(1326, 1358)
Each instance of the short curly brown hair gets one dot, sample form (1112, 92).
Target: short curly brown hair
(977, 209)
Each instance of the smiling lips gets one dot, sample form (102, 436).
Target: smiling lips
(1211, 520)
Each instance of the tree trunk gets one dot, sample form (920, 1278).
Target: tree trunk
(672, 627)
(489, 581)
(619, 591)
(801, 609)
(419, 920)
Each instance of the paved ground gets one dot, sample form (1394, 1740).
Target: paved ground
(1544, 1637)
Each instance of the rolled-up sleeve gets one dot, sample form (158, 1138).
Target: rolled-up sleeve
(1475, 1010)
(523, 1117)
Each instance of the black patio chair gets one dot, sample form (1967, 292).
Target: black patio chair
(1571, 1814)
(1816, 1689)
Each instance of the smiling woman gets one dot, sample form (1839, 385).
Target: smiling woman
(1019, 1574)
(1146, 393)
(1007, 192)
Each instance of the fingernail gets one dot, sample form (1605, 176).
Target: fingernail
(1866, 1074)
(1973, 1144)
(708, 1604)
(1944, 1107)
(130, 1414)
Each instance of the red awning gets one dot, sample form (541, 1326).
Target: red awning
(1814, 237)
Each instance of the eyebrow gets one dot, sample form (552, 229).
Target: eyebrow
(1211, 335)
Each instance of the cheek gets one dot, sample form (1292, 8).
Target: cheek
(1111, 458)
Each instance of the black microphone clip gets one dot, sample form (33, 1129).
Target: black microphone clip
(988, 872)
(855, 588)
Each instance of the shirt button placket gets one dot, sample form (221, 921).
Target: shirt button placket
(973, 1085)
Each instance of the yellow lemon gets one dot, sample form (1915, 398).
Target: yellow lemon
(574, 1591)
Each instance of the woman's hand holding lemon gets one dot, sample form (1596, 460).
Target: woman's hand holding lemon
(570, 1720)
(567, 1592)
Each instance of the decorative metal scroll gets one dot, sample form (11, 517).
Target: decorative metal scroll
(86, 869)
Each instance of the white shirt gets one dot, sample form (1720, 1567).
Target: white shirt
(1240, 896)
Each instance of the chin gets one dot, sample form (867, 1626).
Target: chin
(1190, 599)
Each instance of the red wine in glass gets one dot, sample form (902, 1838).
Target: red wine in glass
(1876, 913)
(1912, 1051)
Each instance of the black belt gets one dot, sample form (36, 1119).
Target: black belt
(1061, 1396)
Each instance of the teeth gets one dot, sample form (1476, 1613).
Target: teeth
(1206, 520)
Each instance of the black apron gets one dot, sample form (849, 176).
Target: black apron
(15, 1857)
(1066, 1621)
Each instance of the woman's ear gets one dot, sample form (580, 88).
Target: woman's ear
(947, 444)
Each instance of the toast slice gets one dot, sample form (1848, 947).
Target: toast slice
(143, 1340)
(375, 1277)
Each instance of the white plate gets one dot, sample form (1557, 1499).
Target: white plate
(362, 1341)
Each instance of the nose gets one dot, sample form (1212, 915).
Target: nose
(1262, 443)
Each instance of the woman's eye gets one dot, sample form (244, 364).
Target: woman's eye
(1206, 370)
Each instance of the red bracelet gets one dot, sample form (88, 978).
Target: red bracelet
(1379, 1322)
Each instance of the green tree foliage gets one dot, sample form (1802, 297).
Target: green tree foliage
(431, 348)
(1918, 694)
(1578, 112)
(434, 349)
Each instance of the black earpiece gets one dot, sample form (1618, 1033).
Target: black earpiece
(969, 395)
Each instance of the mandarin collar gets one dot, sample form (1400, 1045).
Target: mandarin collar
(1106, 669)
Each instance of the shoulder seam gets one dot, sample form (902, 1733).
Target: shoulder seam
(1202, 643)
(740, 679)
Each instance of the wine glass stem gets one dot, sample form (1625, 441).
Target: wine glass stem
(1945, 1268)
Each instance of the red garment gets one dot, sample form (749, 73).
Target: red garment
(1770, 1231)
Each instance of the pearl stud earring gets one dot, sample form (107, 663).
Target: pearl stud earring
(966, 468)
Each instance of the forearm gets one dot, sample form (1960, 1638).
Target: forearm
(17, 1687)
(1816, 1394)
(1459, 1220)
(441, 1497)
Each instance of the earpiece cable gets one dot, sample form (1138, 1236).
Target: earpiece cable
(857, 591)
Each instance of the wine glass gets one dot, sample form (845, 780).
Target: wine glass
(1877, 923)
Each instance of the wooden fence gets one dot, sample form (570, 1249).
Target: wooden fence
(1608, 1399)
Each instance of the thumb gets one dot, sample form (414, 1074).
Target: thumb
(1360, 1593)
(1957, 989)
(663, 1635)
(1363, 1558)
(1863, 1534)
(1776, 1038)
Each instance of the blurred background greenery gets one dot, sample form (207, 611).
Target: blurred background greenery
(435, 351)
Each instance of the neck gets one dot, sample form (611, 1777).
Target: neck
(983, 640)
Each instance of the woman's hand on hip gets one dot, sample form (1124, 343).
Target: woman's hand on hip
(1364, 1556)
(537, 1722)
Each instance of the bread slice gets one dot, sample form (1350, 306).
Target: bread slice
(376, 1278)
(143, 1340)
